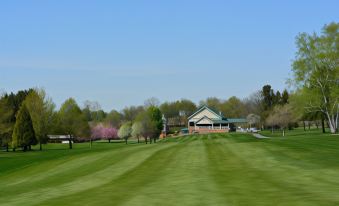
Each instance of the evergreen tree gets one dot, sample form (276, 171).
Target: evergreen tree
(284, 97)
(277, 99)
(23, 133)
(6, 125)
(267, 97)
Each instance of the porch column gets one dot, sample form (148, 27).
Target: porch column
(220, 126)
(212, 125)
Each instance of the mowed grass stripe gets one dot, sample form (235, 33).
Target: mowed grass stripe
(263, 178)
(59, 172)
(178, 173)
(129, 184)
(33, 195)
(213, 169)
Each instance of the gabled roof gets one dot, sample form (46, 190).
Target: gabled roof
(202, 108)
(204, 117)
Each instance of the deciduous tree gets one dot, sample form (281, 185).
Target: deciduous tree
(316, 72)
(72, 121)
(137, 130)
(41, 110)
(125, 131)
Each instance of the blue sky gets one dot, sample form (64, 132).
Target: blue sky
(120, 53)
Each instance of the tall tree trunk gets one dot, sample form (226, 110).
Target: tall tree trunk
(7, 147)
(332, 121)
(40, 146)
(337, 119)
(283, 132)
(126, 140)
(323, 124)
(146, 140)
(109, 140)
(304, 125)
(309, 125)
(29, 147)
(70, 142)
(138, 139)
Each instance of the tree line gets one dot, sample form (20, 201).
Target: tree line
(28, 116)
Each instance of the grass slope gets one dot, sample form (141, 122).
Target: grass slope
(216, 169)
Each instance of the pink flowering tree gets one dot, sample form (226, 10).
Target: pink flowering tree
(97, 132)
(104, 132)
(109, 133)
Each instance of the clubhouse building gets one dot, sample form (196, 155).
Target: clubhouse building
(206, 120)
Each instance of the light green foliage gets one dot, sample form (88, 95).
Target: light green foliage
(233, 108)
(41, 109)
(316, 72)
(215, 169)
(72, 121)
(129, 113)
(114, 118)
(212, 102)
(137, 130)
(125, 131)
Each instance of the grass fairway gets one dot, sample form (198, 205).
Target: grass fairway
(218, 169)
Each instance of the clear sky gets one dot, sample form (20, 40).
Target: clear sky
(120, 53)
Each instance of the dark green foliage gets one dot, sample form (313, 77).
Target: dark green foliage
(156, 121)
(284, 97)
(271, 99)
(267, 97)
(6, 123)
(23, 133)
(9, 107)
(178, 111)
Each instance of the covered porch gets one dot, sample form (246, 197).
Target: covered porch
(207, 125)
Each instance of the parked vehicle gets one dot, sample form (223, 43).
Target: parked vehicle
(253, 130)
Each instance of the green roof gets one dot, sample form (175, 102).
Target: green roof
(237, 120)
(231, 120)
(222, 119)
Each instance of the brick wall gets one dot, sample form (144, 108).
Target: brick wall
(206, 130)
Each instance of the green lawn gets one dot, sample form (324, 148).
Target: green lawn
(219, 169)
